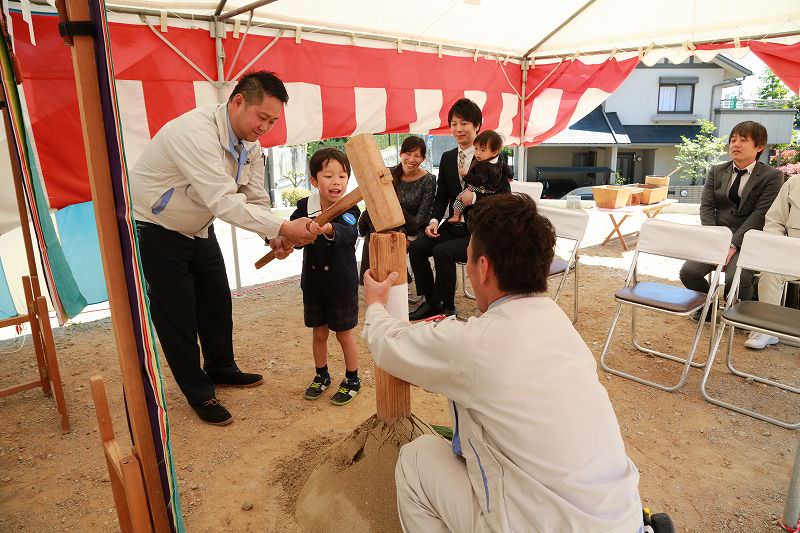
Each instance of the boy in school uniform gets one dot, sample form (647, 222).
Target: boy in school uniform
(330, 276)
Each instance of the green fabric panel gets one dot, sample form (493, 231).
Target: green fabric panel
(72, 301)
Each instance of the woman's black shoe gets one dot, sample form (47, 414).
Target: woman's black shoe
(212, 412)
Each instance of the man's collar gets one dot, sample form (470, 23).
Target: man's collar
(232, 138)
(467, 151)
(506, 298)
(749, 167)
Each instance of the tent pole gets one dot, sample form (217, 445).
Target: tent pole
(94, 139)
(522, 159)
(558, 28)
(244, 9)
(220, 7)
(219, 31)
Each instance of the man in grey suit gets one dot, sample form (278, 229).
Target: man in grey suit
(737, 195)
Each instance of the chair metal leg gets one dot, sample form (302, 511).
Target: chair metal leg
(687, 362)
(468, 293)
(575, 298)
(754, 377)
(635, 341)
(727, 405)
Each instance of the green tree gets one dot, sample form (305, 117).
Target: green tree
(771, 87)
(696, 155)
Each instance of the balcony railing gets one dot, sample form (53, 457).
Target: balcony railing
(740, 103)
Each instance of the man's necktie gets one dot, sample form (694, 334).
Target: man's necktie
(240, 159)
(733, 194)
(462, 158)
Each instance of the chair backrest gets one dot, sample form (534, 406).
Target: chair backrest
(531, 188)
(768, 252)
(568, 223)
(706, 244)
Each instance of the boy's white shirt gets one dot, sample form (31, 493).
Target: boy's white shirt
(314, 204)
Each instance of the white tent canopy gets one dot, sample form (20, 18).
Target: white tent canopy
(517, 27)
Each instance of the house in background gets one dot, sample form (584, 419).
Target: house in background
(635, 131)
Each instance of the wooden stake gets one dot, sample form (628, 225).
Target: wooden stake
(94, 140)
(387, 253)
(36, 333)
(51, 361)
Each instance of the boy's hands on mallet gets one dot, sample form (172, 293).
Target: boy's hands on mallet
(375, 292)
(281, 246)
(296, 232)
(315, 229)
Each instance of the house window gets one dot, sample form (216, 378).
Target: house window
(675, 97)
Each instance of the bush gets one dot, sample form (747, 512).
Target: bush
(791, 169)
(698, 154)
(292, 195)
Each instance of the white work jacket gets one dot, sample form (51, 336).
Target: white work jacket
(536, 428)
(190, 173)
(783, 216)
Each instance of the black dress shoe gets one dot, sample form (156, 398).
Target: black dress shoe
(447, 311)
(424, 311)
(239, 379)
(212, 412)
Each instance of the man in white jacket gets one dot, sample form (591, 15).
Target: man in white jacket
(536, 444)
(782, 218)
(203, 165)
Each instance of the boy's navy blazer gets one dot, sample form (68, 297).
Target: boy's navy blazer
(329, 267)
(448, 186)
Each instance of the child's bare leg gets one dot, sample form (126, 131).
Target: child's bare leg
(319, 346)
(348, 343)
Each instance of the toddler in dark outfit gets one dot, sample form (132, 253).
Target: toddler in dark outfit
(487, 171)
(330, 277)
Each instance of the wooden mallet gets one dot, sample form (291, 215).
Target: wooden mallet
(374, 187)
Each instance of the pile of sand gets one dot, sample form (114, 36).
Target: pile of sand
(352, 488)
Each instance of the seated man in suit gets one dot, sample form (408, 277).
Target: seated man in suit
(447, 242)
(737, 195)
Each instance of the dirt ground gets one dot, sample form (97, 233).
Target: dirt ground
(709, 468)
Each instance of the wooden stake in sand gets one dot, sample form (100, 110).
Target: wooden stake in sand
(387, 254)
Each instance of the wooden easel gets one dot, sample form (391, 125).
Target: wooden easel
(37, 314)
(142, 459)
(124, 470)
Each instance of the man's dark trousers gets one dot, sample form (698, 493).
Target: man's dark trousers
(189, 298)
(447, 249)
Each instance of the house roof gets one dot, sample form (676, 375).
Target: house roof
(670, 135)
(593, 129)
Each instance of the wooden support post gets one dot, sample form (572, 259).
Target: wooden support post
(94, 140)
(387, 253)
(36, 332)
(51, 361)
(124, 470)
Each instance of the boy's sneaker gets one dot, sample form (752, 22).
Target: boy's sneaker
(347, 391)
(759, 341)
(317, 387)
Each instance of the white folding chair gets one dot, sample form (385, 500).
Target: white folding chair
(705, 244)
(762, 252)
(570, 225)
(531, 188)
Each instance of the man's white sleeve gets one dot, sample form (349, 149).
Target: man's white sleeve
(203, 165)
(432, 355)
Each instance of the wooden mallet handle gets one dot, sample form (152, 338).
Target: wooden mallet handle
(348, 200)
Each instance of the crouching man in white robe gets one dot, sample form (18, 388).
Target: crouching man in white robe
(536, 444)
